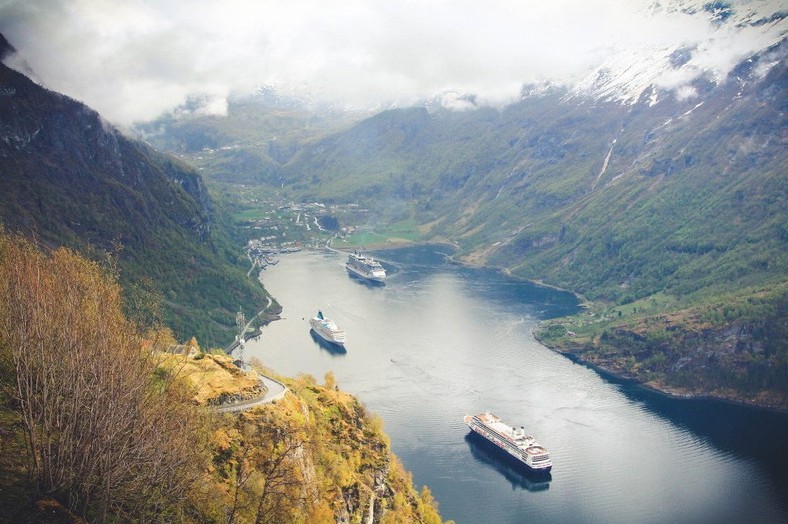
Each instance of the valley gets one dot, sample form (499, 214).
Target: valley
(582, 211)
(667, 219)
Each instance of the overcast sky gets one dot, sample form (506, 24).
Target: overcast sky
(133, 60)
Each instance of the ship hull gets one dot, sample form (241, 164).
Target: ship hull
(357, 273)
(507, 449)
(328, 338)
(365, 267)
(323, 329)
(507, 459)
(330, 347)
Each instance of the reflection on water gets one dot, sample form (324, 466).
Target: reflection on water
(518, 475)
(325, 345)
(736, 429)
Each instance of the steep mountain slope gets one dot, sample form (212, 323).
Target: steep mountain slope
(656, 188)
(670, 216)
(616, 201)
(682, 201)
(70, 178)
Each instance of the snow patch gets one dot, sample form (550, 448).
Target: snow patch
(653, 98)
(691, 110)
(720, 43)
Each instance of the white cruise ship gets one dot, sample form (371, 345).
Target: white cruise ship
(515, 442)
(327, 329)
(365, 267)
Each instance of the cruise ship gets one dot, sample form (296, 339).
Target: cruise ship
(327, 330)
(515, 442)
(365, 267)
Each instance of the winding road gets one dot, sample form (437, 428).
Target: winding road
(275, 390)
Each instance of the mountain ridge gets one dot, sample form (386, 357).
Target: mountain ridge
(674, 67)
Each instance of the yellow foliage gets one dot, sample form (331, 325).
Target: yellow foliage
(428, 507)
(159, 339)
(286, 462)
(212, 376)
(96, 412)
(321, 513)
(330, 380)
(223, 438)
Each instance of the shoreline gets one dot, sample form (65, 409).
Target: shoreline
(665, 391)
(582, 302)
(607, 374)
(389, 245)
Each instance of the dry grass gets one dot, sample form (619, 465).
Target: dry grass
(213, 376)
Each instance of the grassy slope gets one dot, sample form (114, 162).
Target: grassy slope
(683, 252)
(248, 145)
(213, 377)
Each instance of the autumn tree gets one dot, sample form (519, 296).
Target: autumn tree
(106, 434)
(269, 483)
(281, 493)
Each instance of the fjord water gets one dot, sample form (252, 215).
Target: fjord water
(439, 341)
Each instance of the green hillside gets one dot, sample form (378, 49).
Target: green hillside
(688, 205)
(646, 210)
(68, 178)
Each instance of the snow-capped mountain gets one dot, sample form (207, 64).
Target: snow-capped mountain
(717, 36)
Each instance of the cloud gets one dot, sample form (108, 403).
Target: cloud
(686, 92)
(133, 61)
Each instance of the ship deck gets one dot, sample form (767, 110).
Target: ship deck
(524, 442)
